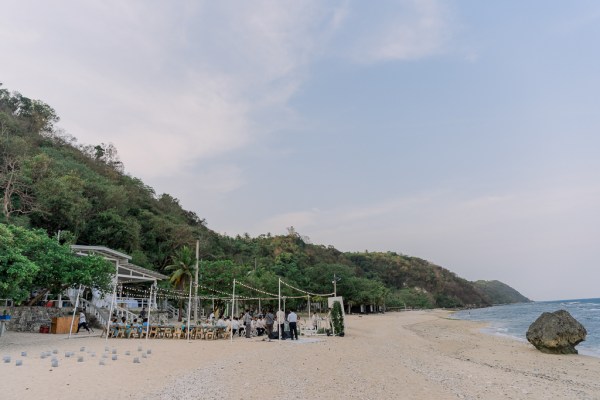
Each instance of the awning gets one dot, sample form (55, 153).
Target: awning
(126, 272)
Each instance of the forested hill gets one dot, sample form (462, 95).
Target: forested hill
(500, 293)
(49, 181)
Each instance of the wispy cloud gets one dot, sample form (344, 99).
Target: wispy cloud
(184, 82)
(412, 30)
(173, 84)
(491, 236)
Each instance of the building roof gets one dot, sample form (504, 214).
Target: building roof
(126, 272)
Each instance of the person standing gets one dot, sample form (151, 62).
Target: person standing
(269, 321)
(293, 321)
(248, 324)
(82, 322)
(281, 323)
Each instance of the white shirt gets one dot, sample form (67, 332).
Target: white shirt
(292, 317)
(81, 318)
(280, 317)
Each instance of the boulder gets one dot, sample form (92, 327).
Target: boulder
(556, 333)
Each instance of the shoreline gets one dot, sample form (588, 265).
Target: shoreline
(503, 325)
(410, 355)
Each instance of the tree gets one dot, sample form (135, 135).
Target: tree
(17, 197)
(183, 264)
(17, 272)
(62, 203)
(30, 260)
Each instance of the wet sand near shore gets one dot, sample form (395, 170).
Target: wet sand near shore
(408, 355)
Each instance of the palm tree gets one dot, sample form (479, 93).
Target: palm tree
(183, 265)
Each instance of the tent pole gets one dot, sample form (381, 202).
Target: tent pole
(112, 304)
(232, 302)
(74, 311)
(279, 309)
(309, 320)
(149, 308)
(189, 312)
(196, 282)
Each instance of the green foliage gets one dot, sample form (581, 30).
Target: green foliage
(445, 301)
(410, 298)
(183, 267)
(500, 293)
(17, 271)
(31, 260)
(337, 318)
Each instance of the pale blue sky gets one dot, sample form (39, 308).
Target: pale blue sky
(462, 132)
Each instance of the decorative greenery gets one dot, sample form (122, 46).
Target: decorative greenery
(337, 319)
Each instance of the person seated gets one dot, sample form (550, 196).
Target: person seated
(253, 326)
(135, 327)
(220, 322)
(144, 326)
(260, 326)
(122, 325)
(114, 327)
(235, 326)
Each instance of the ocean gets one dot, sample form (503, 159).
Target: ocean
(513, 320)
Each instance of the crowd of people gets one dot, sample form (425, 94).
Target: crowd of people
(250, 323)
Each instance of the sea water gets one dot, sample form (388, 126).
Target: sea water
(513, 320)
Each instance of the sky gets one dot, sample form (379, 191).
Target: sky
(462, 132)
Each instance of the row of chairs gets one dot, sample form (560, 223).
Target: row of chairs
(166, 332)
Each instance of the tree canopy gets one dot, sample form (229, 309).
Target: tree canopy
(32, 261)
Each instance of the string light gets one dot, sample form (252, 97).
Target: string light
(304, 291)
(255, 289)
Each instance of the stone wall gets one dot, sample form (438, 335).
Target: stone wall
(29, 319)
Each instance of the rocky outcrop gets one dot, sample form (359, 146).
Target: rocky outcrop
(556, 333)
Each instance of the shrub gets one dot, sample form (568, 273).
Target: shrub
(337, 319)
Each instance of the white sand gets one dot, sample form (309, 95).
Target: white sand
(411, 355)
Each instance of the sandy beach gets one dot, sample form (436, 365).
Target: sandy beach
(408, 355)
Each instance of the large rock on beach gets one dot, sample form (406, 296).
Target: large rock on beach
(556, 333)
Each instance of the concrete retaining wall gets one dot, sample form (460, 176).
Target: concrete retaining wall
(29, 319)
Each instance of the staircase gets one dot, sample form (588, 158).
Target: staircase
(101, 314)
(173, 312)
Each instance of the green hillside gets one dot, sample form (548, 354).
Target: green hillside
(500, 293)
(49, 181)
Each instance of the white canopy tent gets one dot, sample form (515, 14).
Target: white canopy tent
(125, 272)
